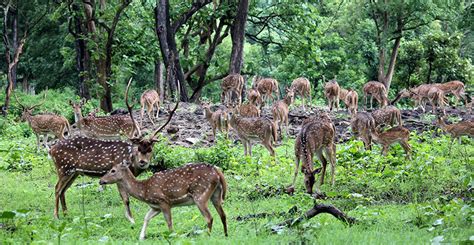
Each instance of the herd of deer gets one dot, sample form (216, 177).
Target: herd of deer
(99, 151)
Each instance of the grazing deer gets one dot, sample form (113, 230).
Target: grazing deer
(454, 87)
(456, 130)
(388, 116)
(316, 135)
(375, 90)
(280, 110)
(43, 124)
(302, 87)
(362, 124)
(232, 83)
(249, 110)
(218, 119)
(149, 99)
(266, 87)
(437, 98)
(397, 134)
(351, 100)
(254, 97)
(331, 92)
(183, 186)
(94, 157)
(254, 129)
(106, 127)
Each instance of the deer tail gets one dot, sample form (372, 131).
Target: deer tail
(222, 182)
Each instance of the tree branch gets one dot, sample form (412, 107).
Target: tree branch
(195, 7)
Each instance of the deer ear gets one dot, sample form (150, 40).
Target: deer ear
(125, 163)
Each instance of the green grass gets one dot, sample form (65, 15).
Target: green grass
(396, 201)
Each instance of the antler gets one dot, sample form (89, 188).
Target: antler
(42, 102)
(130, 109)
(18, 101)
(171, 113)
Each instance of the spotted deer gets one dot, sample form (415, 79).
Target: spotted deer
(302, 87)
(331, 92)
(183, 186)
(316, 136)
(436, 97)
(249, 110)
(266, 87)
(103, 127)
(362, 124)
(343, 93)
(149, 99)
(95, 157)
(218, 119)
(456, 130)
(393, 135)
(254, 129)
(387, 116)
(375, 90)
(456, 88)
(280, 111)
(233, 83)
(254, 97)
(351, 100)
(418, 94)
(44, 124)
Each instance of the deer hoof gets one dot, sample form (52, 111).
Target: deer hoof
(290, 190)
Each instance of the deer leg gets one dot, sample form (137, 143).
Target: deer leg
(249, 144)
(202, 205)
(151, 213)
(330, 153)
(297, 166)
(62, 196)
(371, 101)
(126, 202)
(59, 189)
(167, 214)
(157, 109)
(217, 202)
(142, 111)
(324, 163)
(149, 111)
(406, 147)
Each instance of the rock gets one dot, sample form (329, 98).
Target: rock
(172, 129)
(192, 140)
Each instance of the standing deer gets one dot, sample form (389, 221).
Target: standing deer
(233, 83)
(280, 111)
(456, 130)
(249, 110)
(388, 116)
(254, 129)
(437, 97)
(362, 124)
(94, 157)
(43, 124)
(343, 93)
(351, 100)
(302, 87)
(218, 119)
(106, 127)
(316, 136)
(183, 186)
(397, 134)
(375, 90)
(454, 87)
(266, 87)
(418, 94)
(149, 99)
(331, 92)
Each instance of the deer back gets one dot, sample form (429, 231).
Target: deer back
(301, 86)
(107, 126)
(363, 123)
(392, 135)
(452, 86)
(149, 97)
(331, 89)
(267, 85)
(385, 115)
(44, 123)
(249, 110)
(253, 127)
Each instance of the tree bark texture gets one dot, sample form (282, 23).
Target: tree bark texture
(237, 33)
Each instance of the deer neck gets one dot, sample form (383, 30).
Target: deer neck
(287, 101)
(208, 113)
(132, 186)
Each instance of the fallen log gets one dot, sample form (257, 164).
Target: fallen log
(317, 209)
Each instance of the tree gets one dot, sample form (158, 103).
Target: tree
(237, 32)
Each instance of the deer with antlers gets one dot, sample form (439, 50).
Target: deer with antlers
(95, 157)
(316, 136)
(331, 92)
(351, 100)
(280, 110)
(105, 127)
(254, 129)
(302, 87)
(397, 134)
(456, 130)
(149, 99)
(218, 119)
(375, 90)
(266, 87)
(387, 116)
(44, 124)
(233, 83)
(362, 124)
(183, 186)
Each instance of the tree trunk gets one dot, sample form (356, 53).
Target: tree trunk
(391, 65)
(159, 81)
(237, 33)
(15, 43)
(82, 56)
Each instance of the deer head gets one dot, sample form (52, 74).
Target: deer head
(77, 108)
(28, 110)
